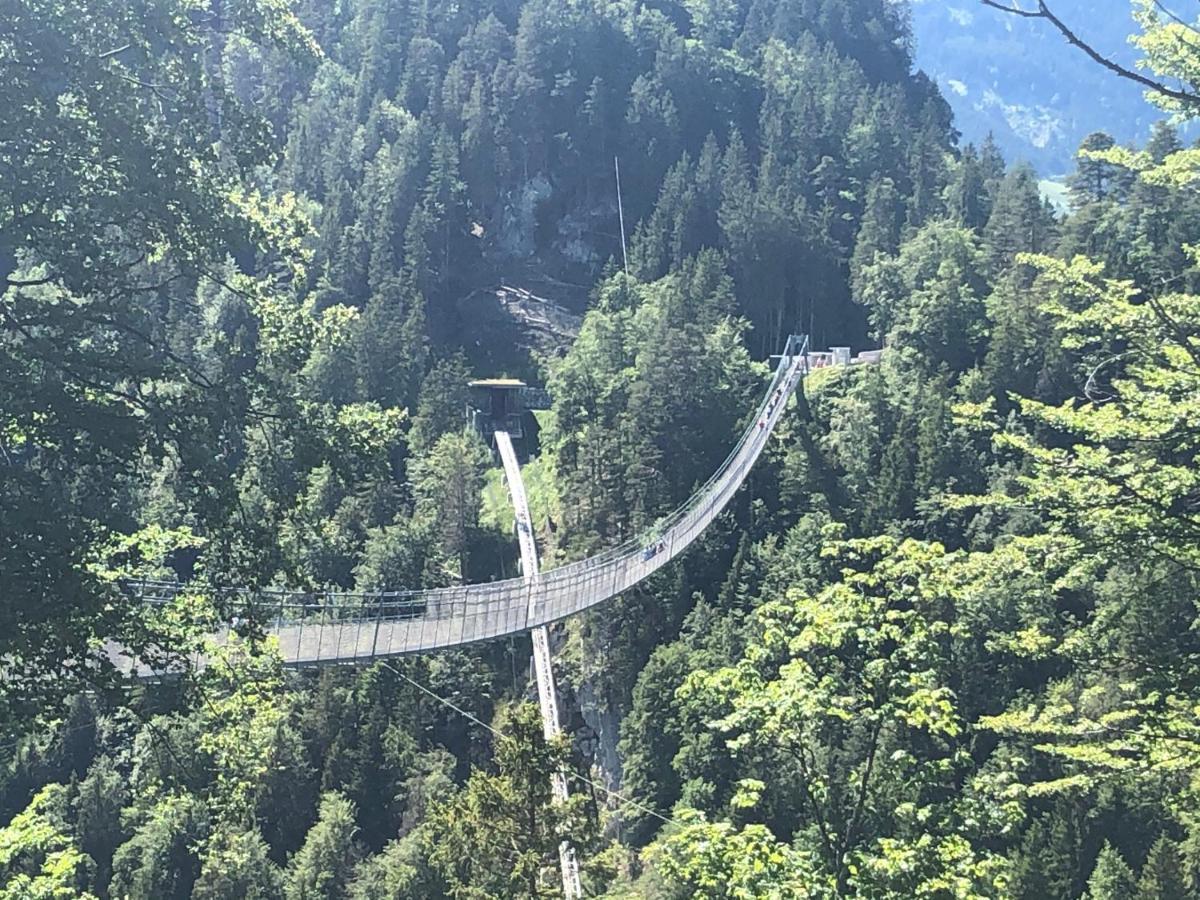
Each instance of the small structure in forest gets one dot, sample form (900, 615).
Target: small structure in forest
(496, 404)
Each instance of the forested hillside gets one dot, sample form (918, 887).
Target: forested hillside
(942, 644)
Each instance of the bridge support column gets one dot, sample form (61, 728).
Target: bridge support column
(542, 667)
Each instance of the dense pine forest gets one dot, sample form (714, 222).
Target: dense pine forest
(943, 643)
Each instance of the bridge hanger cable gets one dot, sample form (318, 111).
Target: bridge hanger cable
(625, 801)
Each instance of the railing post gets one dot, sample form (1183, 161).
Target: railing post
(300, 630)
(320, 627)
(337, 650)
(375, 641)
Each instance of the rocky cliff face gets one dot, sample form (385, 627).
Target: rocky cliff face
(508, 327)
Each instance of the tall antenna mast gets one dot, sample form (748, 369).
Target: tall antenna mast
(621, 214)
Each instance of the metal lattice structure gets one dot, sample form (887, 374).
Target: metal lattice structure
(337, 628)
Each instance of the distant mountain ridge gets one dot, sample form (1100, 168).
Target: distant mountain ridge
(1020, 80)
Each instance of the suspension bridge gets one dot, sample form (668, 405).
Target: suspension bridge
(332, 628)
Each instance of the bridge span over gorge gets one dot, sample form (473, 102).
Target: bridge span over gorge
(343, 628)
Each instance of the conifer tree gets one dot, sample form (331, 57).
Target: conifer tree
(391, 344)
(1092, 181)
(969, 200)
(1162, 873)
(879, 233)
(1164, 140)
(157, 862)
(1020, 222)
(992, 167)
(448, 481)
(237, 867)
(1111, 879)
(324, 865)
(442, 402)
(98, 804)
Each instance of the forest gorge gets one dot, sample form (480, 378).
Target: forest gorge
(943, 644)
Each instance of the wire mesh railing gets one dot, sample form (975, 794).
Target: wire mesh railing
(316, 627)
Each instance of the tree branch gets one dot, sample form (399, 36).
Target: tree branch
(1178, 20)
(1043, 12)
(113, 52)
(26, 282)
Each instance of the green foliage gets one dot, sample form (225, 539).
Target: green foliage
(121, 195)
(240, 724)
(1120, 481)
(717, 862)
(499, 836)
(158, 861)
(1112, 879)
(322, 868)
(400, 871)
(237, 865)
(38, 858)
(845, 699)
(448, 483)
(1162, 873)
(442, 404)
(98, 804)
(942, 645)
(1170, 49)
(930, 298)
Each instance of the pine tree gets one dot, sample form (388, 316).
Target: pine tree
(401, 871)
(934, 453)
(448, 482)
(369, 749)
(442, 402)
(1162, 874)
(891, 497)
(390, 344)
(1028, 878)
(927, 171)
(969, 201)
(443, 204)
(322, 868)
(1164, 141)
(237, 866)
(991, 163)
(879, 233)
(1111, 879)
(420, 82)
(1092, 179)
(98, 804)
(1021, 221)
(157, 863)
(499, 835)
(1047, 865)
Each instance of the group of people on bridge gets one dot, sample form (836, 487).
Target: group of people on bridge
(653, 549)
(775, 398)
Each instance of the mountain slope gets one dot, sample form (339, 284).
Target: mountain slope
(1021, 81)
